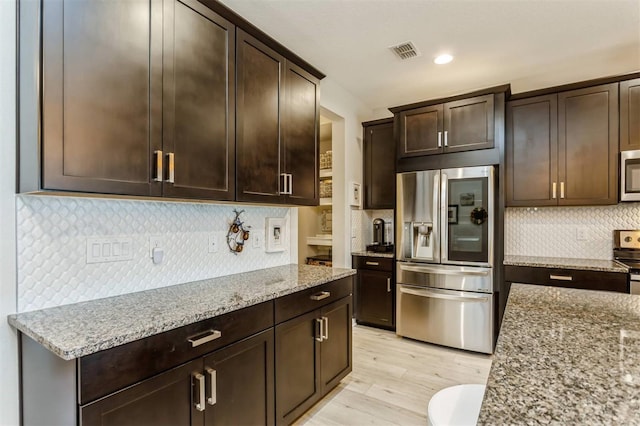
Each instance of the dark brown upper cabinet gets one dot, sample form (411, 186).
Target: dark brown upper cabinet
(564, 159)
(198, 102)
(379, 165)
(300, 130)
(277, 146)
(460, 125)
(630, 115)
(101, 94)
(532, 151)
(154, 113)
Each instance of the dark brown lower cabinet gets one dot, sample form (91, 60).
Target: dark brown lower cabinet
(375, 292)
(312, 354)
(231, 386)
(231, 369)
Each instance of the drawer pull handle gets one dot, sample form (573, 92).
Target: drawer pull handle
(205, 337)
(200, 388)
(321, 295)
(213, 384)
(373, 263)
(561, 277)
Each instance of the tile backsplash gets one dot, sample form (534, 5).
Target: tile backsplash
(572, 232)
(52, 235)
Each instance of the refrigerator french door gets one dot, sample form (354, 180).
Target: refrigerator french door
(445, 257)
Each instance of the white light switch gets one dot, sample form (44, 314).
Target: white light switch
(109, 249)
(213, 243)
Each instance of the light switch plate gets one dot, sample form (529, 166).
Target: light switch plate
(213, 243)
(109, 249)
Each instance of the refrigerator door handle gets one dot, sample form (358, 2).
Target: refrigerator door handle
(414, 291)
(441, 271)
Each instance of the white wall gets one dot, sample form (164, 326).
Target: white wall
(338, 103)
(8, 339)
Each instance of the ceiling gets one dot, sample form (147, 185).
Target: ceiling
(529, 43)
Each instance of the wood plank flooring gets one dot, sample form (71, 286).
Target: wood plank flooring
(393, 379)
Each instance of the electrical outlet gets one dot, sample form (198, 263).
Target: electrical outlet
(214, 243)
(256, 237)
(581, 233)
(154, 242)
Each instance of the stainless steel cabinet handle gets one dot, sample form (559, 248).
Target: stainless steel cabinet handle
(388, 285)
(290, 184)
(561, 277)
(158, 174)
(213, 384)
(439, 139)
(171, 158)
(553, 190)
(426, 293)
(319, 329)
(200, 388)
(561, 189)
(320, 296)
(372, 263)
(325, 328)
(283, 189)
(446, 141)
(205, 337)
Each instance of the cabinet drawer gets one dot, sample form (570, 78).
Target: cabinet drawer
(571, 278)
(304, 301)
(373, 263)
(107, 371)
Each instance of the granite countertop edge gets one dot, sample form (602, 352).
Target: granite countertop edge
(389, 255)
(565, 263)
(31, 323)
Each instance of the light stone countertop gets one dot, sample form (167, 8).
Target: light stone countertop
(79, 329)
(389, 255)
(566, 263)
(565, 356)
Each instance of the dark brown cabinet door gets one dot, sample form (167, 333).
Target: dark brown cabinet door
(258, 117)
(421, 131)
(379, 166)
(532, 151)
(335, 349)
(241, 378)
(469, 124)
(165, 399)
(376, 302)
(102, 94)
(297, 366)
(588, 145)
(630, 115)
(198, 109)
(300, 131)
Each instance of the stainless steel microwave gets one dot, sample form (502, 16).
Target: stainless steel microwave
(630, 175)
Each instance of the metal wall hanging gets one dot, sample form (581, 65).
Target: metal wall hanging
(238, 233)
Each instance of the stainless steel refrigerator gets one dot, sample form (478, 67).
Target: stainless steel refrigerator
(444, 251)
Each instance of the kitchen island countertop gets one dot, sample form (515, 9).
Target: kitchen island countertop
(565, 263)
(565, 356)
(79, 329)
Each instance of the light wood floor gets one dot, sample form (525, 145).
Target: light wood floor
(393, 379)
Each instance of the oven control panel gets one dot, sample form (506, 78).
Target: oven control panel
(627, 239)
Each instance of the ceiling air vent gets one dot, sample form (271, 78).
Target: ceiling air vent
(405, 50)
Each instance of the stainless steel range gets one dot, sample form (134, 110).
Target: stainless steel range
(626, 251)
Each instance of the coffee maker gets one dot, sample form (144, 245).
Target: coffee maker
(378, 232)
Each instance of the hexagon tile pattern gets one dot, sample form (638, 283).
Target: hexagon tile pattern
(52, 238)
(553, 231)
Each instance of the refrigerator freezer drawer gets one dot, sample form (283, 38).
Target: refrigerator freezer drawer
(450, 277)
(452, 318)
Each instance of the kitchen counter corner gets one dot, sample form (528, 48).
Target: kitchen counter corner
(565, 263)
(565, 356)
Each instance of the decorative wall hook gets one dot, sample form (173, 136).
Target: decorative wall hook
(238, 233)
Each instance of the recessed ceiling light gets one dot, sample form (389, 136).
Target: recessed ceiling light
(443, 59)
